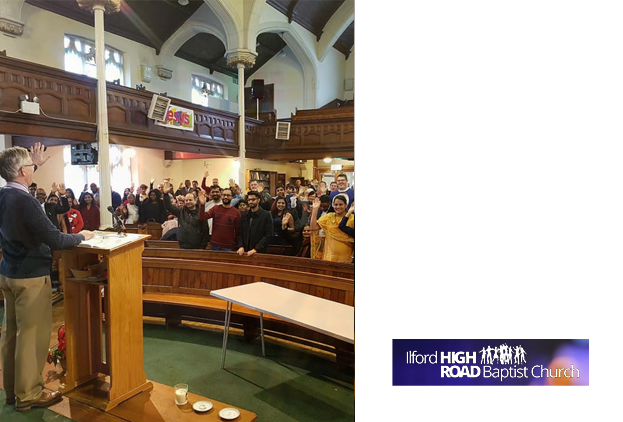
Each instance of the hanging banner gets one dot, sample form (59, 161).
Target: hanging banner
(179, 118)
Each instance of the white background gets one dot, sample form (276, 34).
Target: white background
(502, 218)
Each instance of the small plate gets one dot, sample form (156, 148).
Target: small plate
(202, 406)
(229, 413)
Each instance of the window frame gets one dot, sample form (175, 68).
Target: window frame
(196, 93)
(109, 56)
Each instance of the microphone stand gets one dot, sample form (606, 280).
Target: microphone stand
(118, 225)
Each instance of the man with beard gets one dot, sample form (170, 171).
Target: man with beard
(225, 221)
(192, 233)
(256, 227)
(51, 206)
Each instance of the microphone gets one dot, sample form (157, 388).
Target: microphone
(119, 224)
(112, 211)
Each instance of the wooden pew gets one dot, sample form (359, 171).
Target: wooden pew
(167, 244)
(305, 265)
(178, 289)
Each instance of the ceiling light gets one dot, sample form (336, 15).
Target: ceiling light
(182, 2)
(129, 153)
(327, 160)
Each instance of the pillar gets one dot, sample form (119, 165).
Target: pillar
(240, 59)
(99, 7)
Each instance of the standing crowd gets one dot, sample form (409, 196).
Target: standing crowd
(312, 219)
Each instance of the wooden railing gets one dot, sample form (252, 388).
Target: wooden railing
(304, 265)
(69, 110)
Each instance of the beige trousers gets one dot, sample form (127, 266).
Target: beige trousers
(25, 335)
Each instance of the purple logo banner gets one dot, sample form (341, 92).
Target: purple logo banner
(490, 362)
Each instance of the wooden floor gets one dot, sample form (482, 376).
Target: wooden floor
(156, 405)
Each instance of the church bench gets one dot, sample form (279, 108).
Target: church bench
(179, 289)
(171, 244)
(306, 265)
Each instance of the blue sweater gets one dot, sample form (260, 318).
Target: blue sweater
(26, 236)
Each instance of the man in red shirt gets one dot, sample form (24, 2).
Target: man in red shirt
(225, 221)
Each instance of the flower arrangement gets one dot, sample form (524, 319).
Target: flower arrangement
(56, 354)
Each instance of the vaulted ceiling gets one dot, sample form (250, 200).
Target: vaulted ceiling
(152, 22)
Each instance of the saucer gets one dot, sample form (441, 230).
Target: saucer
(229, 413)
(202, 406)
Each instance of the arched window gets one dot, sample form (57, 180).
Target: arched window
(202, 88)
(80, 58)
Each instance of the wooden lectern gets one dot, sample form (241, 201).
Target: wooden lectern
(104, 337)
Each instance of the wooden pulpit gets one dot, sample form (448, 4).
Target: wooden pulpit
(104, 319)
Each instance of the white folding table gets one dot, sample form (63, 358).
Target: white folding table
(322, 315)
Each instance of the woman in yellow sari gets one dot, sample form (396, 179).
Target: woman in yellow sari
(339, 246)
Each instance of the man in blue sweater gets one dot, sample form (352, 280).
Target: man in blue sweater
(26, 237)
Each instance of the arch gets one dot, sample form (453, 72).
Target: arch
(227, 16)
(12, 9)
(186, 32)
(303, 55)
(335, 27)
(11, 12)
(252, 23)
(228, 33)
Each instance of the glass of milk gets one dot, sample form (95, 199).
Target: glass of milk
(181, 393)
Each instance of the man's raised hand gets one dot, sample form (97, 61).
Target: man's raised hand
(37, 154)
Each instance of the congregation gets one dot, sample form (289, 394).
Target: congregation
(310, 218)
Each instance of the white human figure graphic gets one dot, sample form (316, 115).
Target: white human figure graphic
(503, 354)
(517, 356)
(509, 354)
(523, 354)
(495, 354)
(484, 355)
(489, 349)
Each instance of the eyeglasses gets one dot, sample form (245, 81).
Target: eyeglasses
(34, 167)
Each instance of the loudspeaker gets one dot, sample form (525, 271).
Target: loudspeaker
(257, 89)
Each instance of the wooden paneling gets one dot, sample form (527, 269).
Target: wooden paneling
(200, 277)
(306, 265)
(70, 102)
(215, 131)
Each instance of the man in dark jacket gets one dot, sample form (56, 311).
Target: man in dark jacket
(256, 227)
(26, 237)
(192, 233)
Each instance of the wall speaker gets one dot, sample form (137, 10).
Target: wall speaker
(257, 89)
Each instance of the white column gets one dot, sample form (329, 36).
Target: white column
(6, 141)
(102, 120)
(242, 172)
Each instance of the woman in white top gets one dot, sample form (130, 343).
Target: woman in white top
(129, 211)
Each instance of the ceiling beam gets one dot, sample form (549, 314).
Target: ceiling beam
(291, 8)
(335, 27)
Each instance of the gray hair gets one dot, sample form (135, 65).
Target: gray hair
(11, 161)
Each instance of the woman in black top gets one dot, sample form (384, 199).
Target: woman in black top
(152, 209)
(283, 222)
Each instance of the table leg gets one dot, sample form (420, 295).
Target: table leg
(262, 333)
(226, 332)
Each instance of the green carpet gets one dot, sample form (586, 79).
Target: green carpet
(289, 384)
